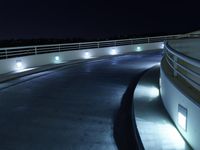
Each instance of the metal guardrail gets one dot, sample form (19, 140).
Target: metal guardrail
(183, 66)
(11, 52)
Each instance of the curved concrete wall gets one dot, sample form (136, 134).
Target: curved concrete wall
(172, 97)
(9, 65)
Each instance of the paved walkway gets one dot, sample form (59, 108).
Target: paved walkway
(157, 132)
(71, 108)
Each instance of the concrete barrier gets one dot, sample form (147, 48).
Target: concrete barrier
(182, 110)
(14, 64)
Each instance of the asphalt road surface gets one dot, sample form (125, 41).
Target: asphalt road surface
(72, 108)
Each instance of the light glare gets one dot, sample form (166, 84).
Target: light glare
(24, 70)
(151, 92)
(163, 131)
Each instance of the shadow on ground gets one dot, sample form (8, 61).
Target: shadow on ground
(124, 132)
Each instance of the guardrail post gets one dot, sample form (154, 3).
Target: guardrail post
(59, 47)
(79, 46)
(35, 50)
(148, 39)
(6, 53)
(131, 41)
(175, 65)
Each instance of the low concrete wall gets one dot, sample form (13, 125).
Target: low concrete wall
(9, 65)
(172, 97)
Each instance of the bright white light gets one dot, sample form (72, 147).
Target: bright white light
(154, 92)
(19, 65)
(87, 55)
(158, 64)
(57, 58)
(113, 52)
(173, 137)
(138, 49)
(162, 46)
(150, 92)
(182, 120)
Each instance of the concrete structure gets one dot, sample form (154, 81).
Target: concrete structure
(180, 87)
(32, 61)
(72, 106)
(155, 128)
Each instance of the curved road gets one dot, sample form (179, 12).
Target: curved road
(72, 108)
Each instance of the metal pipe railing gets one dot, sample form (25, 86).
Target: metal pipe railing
(191, 76)
(39, 49)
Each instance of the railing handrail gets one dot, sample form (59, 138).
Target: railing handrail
(20, 51)
(76, 43)
(190, 75)
(188, 59)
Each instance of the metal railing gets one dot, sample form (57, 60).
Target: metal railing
(11, 52)
(183, 66)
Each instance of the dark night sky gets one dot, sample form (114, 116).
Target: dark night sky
(94, 19)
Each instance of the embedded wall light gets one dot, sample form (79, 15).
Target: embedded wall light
(162, 45)
(19, 64)
(182, 117)
(138, 49)
(87, 55)
(153, 92)
(57, 58)
(113, 52)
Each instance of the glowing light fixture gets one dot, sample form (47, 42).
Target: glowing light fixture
(87, 55)
(158, 64)
(138, 49)
(153, 92)
(19, 64)
(162, 46)
(182, 117)
(113, 52)
(57, 58)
